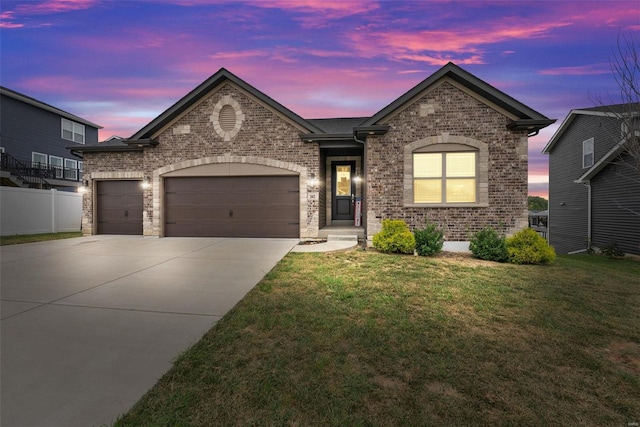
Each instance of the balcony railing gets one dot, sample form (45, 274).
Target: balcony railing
(35, 174)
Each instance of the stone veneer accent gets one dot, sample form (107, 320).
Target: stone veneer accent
(447, 113)
(265, 138)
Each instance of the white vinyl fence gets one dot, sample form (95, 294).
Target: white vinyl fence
(30, 211)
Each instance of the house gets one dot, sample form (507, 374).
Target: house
(594, 189)
(228, 160)
(33, 141)
(539, 222)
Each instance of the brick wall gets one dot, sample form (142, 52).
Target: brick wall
(448, 112)
(265, 137)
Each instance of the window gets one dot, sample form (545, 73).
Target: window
(448, 177)
(72, 131)
(70, 169)
(39, 159)
(56, 163)
(587, 153)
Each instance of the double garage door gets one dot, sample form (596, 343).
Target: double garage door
(238, 206)
(245, 206)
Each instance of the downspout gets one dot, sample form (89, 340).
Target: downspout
(364, 184)
(588, 184)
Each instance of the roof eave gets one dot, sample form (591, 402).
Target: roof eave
(322, 137)
(530, 125)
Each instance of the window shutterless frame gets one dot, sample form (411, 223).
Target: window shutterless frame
(72, 131)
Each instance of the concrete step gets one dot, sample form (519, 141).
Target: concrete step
(342, 238)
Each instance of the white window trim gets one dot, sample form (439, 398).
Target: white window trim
(33, 160)
(482, 176)
(71, 170)
(80, 131)
(585, 153)
(59, 168)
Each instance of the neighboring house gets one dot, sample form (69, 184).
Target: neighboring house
(227, 160)
(594, 190)
(539, 222)
(33, 137)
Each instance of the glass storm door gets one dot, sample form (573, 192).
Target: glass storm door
(343, 191)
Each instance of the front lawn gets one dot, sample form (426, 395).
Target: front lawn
(31, 238)
(366, 339)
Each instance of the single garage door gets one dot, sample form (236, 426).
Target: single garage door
(232, 206)
(119, 207)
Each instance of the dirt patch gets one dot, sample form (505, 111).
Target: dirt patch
(444, 389)
(466, 259)
(625, 355)
(389, 383)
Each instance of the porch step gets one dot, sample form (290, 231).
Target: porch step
(323, 233)
(342, 238)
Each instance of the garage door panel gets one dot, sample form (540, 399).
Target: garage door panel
(119, 207)
(232, 206)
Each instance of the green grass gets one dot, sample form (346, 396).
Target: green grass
(30, 238)
(365, 339)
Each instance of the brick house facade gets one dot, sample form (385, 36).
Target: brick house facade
(225, 129)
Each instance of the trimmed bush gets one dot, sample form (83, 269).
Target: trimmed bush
(429, 240)
(488, 244)
(395, 236)
(528, 247)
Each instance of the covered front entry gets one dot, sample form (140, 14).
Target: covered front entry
(232, 206)
(119, 207)
(343, 190)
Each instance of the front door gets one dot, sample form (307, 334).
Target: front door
(343, 190)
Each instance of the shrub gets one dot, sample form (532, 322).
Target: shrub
(395, 236)
(612, 251)
(429, 240)
(528, 247)
(487, 244)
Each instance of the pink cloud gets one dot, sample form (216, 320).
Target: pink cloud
(53, 6)
(436, 47)
(580, 70)
(6, 18)
(318, 13)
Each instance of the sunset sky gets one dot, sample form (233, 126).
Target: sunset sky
(120, 63)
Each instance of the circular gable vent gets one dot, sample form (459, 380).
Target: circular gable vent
(227, 117)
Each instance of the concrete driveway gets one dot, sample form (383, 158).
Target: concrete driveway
(90, 324)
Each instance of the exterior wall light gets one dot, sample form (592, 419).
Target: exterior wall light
(146, 184)
(313, 181)
(84, 187)
(357, 179)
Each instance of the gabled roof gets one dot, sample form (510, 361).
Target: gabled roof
(617, 149)
(527, 117)
(203, 90)
(32, 101)
(613, 111)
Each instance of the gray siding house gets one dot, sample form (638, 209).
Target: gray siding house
(594, 190)
(227, 160)
(33, 140)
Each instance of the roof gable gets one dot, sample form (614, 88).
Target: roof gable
(39, 104)
(204, 89)
(525, 116)
(615, 111)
